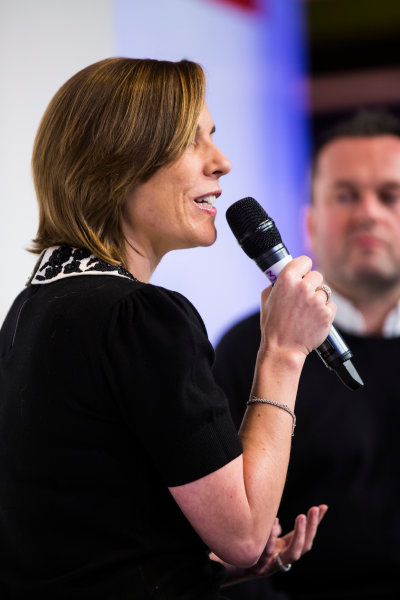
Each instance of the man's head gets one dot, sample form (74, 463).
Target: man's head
(354, 217)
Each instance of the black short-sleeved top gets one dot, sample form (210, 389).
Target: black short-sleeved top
(106, 399)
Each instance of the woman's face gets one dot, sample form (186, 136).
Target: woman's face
(175, 207)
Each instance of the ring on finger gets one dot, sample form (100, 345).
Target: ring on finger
(281, 566)
(324, 288)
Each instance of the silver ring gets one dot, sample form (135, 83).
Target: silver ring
(282, 567)
(326, 289)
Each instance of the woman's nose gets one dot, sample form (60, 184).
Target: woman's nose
(219, 163)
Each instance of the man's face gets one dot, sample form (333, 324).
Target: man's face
(354, 221)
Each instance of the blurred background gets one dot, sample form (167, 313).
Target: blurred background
(278, 72)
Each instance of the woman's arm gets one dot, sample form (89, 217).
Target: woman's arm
(233, 509)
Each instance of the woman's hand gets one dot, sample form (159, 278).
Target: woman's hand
(295, 316)
(291, 546)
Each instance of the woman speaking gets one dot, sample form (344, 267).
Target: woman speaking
(122, 475)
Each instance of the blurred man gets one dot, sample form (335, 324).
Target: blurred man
(346, 449)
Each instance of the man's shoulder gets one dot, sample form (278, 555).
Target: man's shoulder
(245, 331)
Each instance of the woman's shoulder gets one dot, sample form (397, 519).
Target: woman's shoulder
(97, 302)
(160, 303)
(170, 298)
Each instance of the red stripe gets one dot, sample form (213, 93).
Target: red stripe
(249, 5)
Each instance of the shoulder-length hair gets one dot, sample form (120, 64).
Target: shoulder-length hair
(109, 127)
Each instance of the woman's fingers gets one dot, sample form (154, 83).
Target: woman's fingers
(293, 545)
(294, 316)
(303, 535)
(314, 518)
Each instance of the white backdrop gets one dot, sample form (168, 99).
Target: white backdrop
(254, 64)
(42, 43)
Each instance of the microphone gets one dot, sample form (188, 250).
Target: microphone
(260, 239)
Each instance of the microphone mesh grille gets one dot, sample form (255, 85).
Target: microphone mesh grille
(244, 218)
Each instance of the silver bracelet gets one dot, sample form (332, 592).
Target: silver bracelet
(254, 400)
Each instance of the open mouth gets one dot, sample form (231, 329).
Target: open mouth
(206, 201)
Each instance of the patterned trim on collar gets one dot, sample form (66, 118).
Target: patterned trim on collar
(58, 262)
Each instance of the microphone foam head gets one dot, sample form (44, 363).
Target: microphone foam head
(253, 228)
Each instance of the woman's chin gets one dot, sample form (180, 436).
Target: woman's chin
(203, 238)
(210, 240)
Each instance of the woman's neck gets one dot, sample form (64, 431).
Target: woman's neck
(139, 264)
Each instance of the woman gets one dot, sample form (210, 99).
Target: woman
(121, 468)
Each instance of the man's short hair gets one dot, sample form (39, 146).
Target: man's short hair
(363, 123)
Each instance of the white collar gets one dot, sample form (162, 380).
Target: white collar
(350, 320)
(58, 262)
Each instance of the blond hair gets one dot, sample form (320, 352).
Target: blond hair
(109, 127)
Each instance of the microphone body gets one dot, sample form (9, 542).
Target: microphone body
(260, 239)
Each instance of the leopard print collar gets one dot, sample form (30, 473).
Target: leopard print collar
(58, 262)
